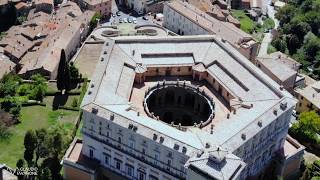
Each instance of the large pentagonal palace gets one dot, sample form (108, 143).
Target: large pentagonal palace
(187, 107)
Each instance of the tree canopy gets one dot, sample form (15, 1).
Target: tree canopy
(300, 32)
(307, 128)
(44, 149)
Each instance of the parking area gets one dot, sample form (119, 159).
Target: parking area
(127, 17)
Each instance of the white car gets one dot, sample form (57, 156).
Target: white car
(125, 20)
(134, 21)
(120, 20)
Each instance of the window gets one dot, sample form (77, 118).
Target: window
(107, 159)
(91, 153)
(118, 164)
(129, 170)
(119, 139)
(156, 157)
(178, 69)
(169, 162)
(141, 175)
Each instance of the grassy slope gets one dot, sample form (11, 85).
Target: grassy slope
(246, 24)
(33, 117)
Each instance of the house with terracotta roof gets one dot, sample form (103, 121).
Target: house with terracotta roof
(101, 6)
(43, 5)
(6, 66)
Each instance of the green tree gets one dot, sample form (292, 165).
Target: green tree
(94, 21)
(21, 19)
(61, 71)
(268, 23)
(37, 93)
(4, 131)
(74, 102)
(7, 103)
(24, 89)
(20, 164)
(311, 46)
(293, 43)
(306, 5)
(8, 85)
(41, 150)
(74, 72)
(285, 14)
(298, 27)
(15, 111)
(307, 127)
(313, 19)
(30, 143)
(45, 174)
(279, 44)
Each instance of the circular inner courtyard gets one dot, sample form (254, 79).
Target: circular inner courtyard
(184, 105)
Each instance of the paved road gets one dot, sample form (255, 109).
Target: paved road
(267, 36)
(271, 12)
(264, 44)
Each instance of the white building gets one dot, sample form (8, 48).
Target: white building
(187, 107)
(140, 6)
(185, 19)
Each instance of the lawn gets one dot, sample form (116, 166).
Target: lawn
(246, 24)
(32, 117)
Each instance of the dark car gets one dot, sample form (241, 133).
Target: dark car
(145, 18)
(118, 13)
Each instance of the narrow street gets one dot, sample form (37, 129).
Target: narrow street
(267, 36)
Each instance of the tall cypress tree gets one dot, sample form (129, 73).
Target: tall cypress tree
(61, 71)
(67, 80)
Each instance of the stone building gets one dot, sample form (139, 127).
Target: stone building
(183, 107)
(101, 6)
(281, 68)
(309, 98)
(185, 19)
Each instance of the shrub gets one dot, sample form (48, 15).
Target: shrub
(74, 102)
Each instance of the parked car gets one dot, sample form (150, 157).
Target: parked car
(125, 20)
(118, 13)
(113, 15)
(145, 18)
(135, 21)
(120, 20)
(130, 20)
